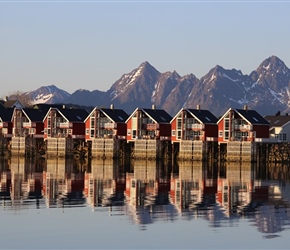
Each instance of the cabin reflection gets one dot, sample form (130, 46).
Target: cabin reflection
(150, 191)
(147, 193)
(63, 184)
(104, 184)
(193, 190)
(5, 181)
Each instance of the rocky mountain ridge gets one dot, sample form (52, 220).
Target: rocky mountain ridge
(265, 89)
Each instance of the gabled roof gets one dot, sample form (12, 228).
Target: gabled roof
(204, 116)
(6, 114)
(74, 115)
(158, 115)
(252, 116)
(45, 107)
(117, 115)
(71, 115)
(277, 120)
(12, 104)
(34, 115)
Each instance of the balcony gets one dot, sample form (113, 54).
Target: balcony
(29, 124)
(195, 126)
(109, 125)
(152, 126)
(243, 127)
(64, 125)
(3, 124)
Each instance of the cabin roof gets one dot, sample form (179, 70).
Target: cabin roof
(205, 116)
(252, 116)
(158, 115)
(117, 115)
(277, 120)
(74, 115)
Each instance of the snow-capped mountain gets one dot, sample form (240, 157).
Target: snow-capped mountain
(266, 90)
(47, 94)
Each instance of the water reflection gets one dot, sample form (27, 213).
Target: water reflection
(147, 192)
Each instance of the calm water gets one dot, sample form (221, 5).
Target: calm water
(58, 204)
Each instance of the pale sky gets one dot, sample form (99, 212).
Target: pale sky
(90, 44)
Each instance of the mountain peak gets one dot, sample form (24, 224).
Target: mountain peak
(272, 63)
(147, 67)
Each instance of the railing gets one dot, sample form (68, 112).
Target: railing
(64, 125)
(267, 140)
(165, 138)
(3, 124)
(211, 139)
(29, 124)
(195, 126)
(109, 125)
(243, 127)
(242, 138)
(152, 126)
(78, 136)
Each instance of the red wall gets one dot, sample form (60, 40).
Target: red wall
(165, 130)
(122, 129)
(129, 126)
(79, 128)
(262, 131)
(173, 127)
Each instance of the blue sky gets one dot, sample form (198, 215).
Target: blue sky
(90, 44)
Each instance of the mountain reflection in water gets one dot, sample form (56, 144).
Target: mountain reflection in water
(147, 192)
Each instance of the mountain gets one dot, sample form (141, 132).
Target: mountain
(220, 89)
(86, 98)
(142, 87)
(265, 89)
(47, 94)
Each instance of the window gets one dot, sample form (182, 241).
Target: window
(173, 132)
(220, 133)
(92, 127)
(87, 131)
(227, 134)
(128, 131)
(178, 123)
(179, 134)
(32, 131)
(134, 133)
(92, 133)
(284, 137)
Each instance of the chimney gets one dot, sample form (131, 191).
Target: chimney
(245, 107)
(112, 106)
(278, 113)
(153, 106)
(286, 114)
(198, 106)
(63, 106)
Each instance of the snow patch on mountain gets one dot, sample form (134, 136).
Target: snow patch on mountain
(233, 80)
(126, 81)
(41, 98)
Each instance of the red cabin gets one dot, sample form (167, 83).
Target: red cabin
(65, 123)
(194, 125)
(149, 124)
(106, 123)
(242, 125)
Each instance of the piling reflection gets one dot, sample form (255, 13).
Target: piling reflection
(148, 192)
